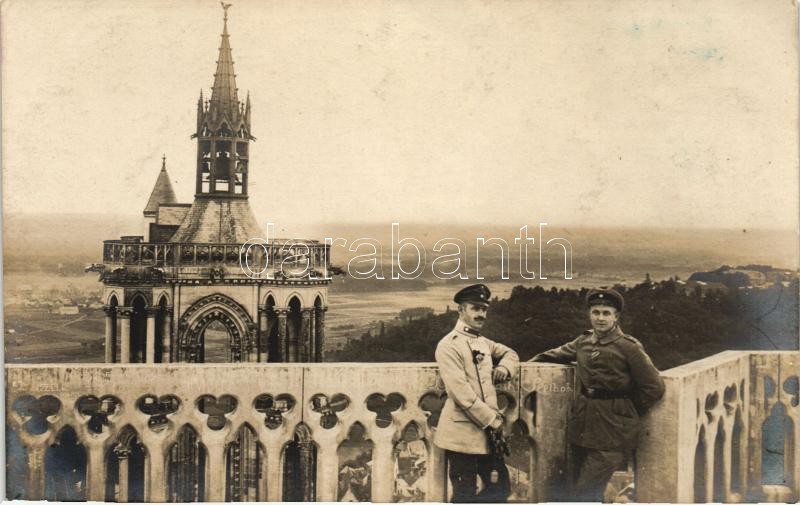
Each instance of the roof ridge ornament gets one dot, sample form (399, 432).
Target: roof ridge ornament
(225, 8)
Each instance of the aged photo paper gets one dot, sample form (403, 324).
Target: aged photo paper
(432, 250)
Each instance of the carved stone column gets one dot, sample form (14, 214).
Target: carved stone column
(124, 315)
(437, 479)
(96, 473)
(150, 345)
(327, 466)
(320, 339)
(166, 335)
(282, 336)
(109, 334)
(252, 343)
(36, 481)
(157, 481)
(263, 481)
(122, 458)
(382, 465)
(293, 335)
(312, 338)
(305, 337)
(181, 349)
(308, 471)
(263, 335)
(273, 473)
(215, 483)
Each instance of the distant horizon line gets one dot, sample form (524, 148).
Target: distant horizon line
(746, 229)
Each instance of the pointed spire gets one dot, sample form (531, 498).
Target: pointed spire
(223, 93)
(162, 191)
(247, 110)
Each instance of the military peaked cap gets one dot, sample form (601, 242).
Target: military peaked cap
(477, 293)
(605, 296)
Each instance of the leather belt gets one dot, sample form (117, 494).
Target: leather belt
(604, 394)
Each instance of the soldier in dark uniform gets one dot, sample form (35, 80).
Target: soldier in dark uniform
(616, 384)
(469, 365)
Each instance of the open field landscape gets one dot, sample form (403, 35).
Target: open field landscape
(37, 336)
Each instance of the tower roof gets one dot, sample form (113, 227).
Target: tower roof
(162, 192)
(223, 94)
(212, 220)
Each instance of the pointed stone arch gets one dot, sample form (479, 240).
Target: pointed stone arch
(186, 467)
(355, 465)
(294, 327)
(125, 467)
(411, 457)
(700, 467)
(777, 453)
(245, 474)
(295, 294)
(322, 296)
(216, 307)
(269, 294)
(115, 296)
(271, 332)
(224, 129)
(300, 466)
(112, 337)
(138, 328)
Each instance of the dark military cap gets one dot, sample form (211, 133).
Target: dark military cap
(605, 296)
(477, 293)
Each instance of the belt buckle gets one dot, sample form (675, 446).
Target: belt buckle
(590, 392)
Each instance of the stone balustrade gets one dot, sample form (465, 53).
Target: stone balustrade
(393, 408)
(726, 430)
(285, 258)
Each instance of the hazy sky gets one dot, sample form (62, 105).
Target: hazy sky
(668, 113)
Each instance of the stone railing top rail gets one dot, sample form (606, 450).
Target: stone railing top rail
(705, 364)
(694, 367)
(232, 366)
(275, 242)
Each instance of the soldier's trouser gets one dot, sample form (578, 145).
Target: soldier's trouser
(463, 470)
(594, 471)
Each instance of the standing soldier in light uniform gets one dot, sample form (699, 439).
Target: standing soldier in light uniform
(465, 360)
(616, 382)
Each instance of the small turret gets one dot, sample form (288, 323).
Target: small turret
(162, 194)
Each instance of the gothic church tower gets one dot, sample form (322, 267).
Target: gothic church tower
(179, 293)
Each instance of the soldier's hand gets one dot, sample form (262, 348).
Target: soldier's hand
(497, 423)
(501, 374)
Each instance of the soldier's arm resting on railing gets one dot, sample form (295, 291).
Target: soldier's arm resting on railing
(507, 362)
(564, 355)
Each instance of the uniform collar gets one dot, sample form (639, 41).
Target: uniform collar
(611, 336)
(462, 329)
